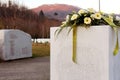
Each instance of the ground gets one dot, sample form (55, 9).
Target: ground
(37, 68)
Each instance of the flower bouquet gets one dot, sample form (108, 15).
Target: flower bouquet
(87, 18)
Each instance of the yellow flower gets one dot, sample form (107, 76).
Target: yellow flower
(82, 11)
(74, 16)
(92, 16)
(67, 17)
(87, 20)
(98, 16)
(64, 22)
(91, 10)
(102, 13)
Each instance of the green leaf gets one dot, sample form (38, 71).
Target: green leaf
(115, 28)
(57, 32)
(74, 44)
(108, 20)
(116, 50)
(74, 25)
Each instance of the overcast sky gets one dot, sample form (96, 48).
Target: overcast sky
(109, 6)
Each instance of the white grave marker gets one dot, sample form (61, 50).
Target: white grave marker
(95, 60)
(15, 44)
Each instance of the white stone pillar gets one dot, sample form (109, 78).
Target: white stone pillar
(95, 60)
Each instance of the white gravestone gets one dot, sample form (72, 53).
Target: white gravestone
(15, 44)
(95, 60)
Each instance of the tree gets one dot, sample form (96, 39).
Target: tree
(55, 13)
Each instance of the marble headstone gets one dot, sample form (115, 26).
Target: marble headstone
(15, 44)
(95, 60)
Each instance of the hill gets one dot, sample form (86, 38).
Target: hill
(56, 11)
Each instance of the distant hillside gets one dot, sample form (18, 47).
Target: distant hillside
(15, 16)
(56, 11)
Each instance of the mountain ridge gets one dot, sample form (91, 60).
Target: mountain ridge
(56, 11)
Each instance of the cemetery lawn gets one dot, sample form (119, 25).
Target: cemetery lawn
(40, 49)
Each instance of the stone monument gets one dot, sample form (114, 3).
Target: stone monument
(15, 44)
(95, 59)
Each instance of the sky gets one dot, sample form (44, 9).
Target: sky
(108, 6)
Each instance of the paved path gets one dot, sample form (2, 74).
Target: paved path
(26, 69)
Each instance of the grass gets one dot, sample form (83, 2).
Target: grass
(41, 49)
